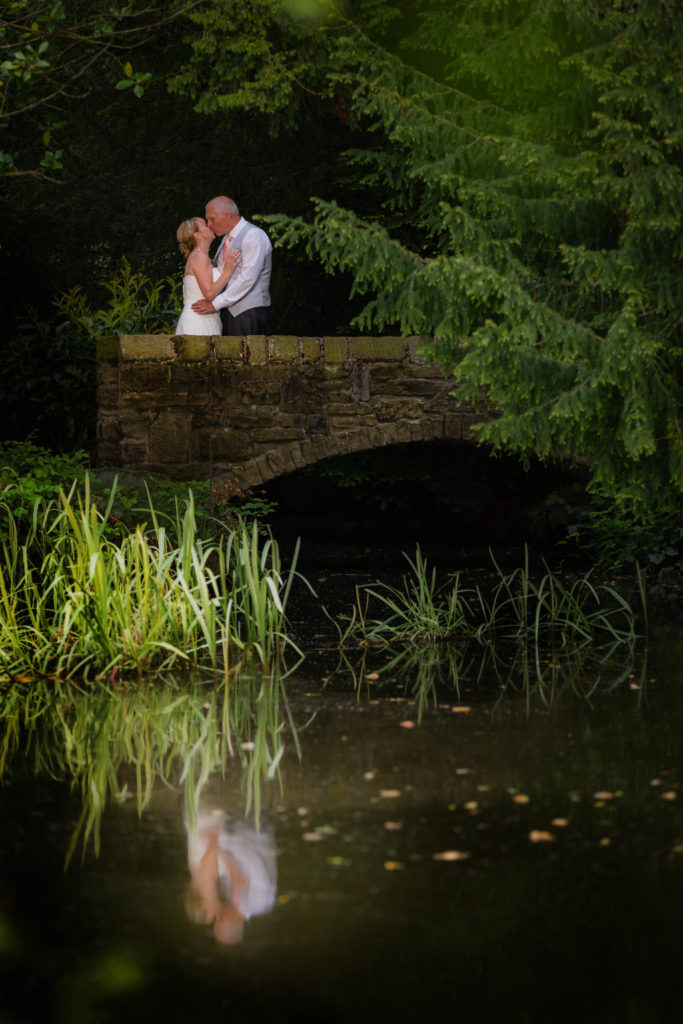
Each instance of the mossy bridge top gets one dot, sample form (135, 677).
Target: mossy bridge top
(250, 409)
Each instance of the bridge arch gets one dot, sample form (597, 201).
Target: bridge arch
(247, 410)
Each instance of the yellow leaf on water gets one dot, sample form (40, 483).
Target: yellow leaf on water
(372, 676)
(393, 826)
(606, 841)
(451, 855)
(389, 794)
(669, 795)
(521, 798)
(407, 724)
(471, 805)
(338, 862)
(603, 794)
(311, 837)
(539, 836)
(560, 822)
(393, 865)
(461, 707)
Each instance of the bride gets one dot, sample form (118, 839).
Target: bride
(201, 280)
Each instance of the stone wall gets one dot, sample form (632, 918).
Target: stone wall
(250, 409)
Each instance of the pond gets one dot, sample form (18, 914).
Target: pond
(471, 834)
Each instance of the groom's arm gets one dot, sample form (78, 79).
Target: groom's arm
(255, 247)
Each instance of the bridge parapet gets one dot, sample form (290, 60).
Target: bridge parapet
(250, 409)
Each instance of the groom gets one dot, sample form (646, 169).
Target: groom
(245, 300)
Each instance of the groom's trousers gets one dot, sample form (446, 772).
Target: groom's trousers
(252, 321)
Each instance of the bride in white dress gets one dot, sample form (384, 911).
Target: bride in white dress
(201, 280)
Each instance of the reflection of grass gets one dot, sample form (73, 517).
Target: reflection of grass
(115, 745)
(446, 672)
(547, 611)
(73, 601)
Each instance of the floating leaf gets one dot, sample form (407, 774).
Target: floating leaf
(451, 855)
(539, 836)
(393, 826)
(407, 724)
(393, 865)
(521, 798)
(389, 794)
(338, 862)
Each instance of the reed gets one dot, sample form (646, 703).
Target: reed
(74, 601)
(547, 611)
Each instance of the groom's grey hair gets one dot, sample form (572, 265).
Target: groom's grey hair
(225, 205)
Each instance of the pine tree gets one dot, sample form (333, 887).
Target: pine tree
(524, 161)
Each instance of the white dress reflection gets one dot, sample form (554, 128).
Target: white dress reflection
(233, 873)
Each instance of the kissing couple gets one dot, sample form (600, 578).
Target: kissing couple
(229, 295)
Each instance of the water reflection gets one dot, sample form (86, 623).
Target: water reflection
(175, 731)
(233, 868)
(479, 864)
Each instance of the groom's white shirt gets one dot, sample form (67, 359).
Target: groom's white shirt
(255, 247)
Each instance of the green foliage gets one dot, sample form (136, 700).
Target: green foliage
(616, 541)
(49, 365)
(29, 473)
(49, 50)
(527, 221)
(136, 305)
(74, 602)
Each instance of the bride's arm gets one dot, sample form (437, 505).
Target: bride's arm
(200, 266)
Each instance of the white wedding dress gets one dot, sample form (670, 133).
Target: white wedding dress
(197, 323)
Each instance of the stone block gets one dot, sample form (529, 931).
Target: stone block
(405, 409)
(452, 426)
(278, 434)
(229, 348)
(311, 350)
(297, 457)
(280, 462)
(193, 348)
(284, 348)
(342, 422)
(107, 349)
(336, 351)
(257, 349)
(382, 349)
(133, 452)
(415, 345)
(230, 445)
(142, 348)
(169, 437)
(149, 379)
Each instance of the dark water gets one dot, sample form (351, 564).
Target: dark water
(514, 852)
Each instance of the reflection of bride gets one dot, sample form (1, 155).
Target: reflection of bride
(201, 280)
(233, 873)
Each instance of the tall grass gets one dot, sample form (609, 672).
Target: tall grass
(73, 601)
(544, 611)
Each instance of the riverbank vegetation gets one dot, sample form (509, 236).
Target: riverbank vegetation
(545, 612)
(76, 602)
(503, 180)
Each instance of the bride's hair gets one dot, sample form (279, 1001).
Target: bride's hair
(185, 235)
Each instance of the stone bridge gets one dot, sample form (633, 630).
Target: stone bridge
(245, 410)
